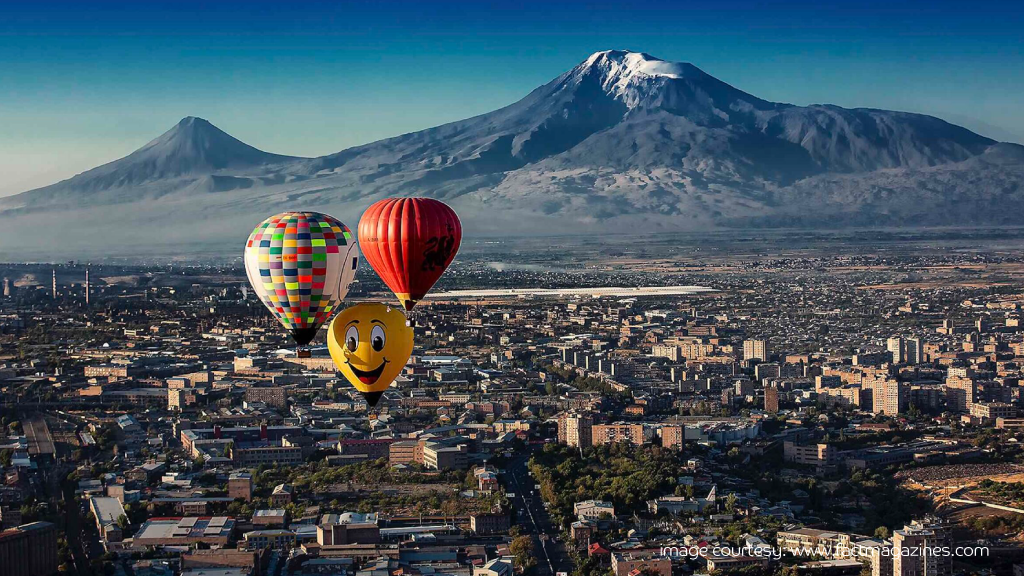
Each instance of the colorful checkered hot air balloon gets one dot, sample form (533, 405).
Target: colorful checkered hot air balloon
(300, 264)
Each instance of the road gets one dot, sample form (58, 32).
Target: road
(40, 442)
(61, 487)
(535, 519)
(73, 526)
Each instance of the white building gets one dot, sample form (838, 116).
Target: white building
(592, 509)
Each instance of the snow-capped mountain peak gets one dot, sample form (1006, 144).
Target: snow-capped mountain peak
(641, 81)
(619, 65)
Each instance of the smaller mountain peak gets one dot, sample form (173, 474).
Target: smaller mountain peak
(192, 128)
(192, 121)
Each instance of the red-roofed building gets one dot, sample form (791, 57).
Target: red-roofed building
(600, 553)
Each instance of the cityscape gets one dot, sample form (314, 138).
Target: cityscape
(476, 288)
(769, 404)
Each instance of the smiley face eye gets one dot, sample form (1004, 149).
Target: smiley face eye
(351, 338)
(377, 338)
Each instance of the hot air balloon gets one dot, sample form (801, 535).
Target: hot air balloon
(300, 264)
(370, 343)
(410, 242)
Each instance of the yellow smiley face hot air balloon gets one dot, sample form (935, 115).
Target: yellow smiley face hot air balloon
(370, 343)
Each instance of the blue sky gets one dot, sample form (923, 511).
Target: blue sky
(81, 85)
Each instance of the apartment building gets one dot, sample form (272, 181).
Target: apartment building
(635, 434)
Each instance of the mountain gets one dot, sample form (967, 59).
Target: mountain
(184, 158)
(623, 140)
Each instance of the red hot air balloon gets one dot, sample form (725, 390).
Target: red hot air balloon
(409, 242)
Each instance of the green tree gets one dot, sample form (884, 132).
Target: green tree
(730, 503)
(523, 550)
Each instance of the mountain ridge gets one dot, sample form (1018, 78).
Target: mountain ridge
(622, 137)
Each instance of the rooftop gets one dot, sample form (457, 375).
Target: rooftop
(106, 509)
(187, 527)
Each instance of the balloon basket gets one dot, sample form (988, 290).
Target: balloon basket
(304, 353)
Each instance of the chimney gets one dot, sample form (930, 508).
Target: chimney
(216, 432)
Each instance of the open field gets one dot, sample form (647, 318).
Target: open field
(960, 475)
(967, 513)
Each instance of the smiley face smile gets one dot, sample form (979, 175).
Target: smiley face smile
(368, 377)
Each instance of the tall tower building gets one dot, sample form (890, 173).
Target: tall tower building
(755, 349)
(86, 286)
(914, 550)
(7, 287)
(961, 391)
(915, 351)
(771, 399)
(54, 283)
(898, 348)
(890, 397)
(575, 430)
(728, 396)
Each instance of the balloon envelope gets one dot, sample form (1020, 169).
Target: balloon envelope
(300, 264)
(410, 242)
(370, 343)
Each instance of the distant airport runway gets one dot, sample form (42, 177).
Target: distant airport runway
(614, 291)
